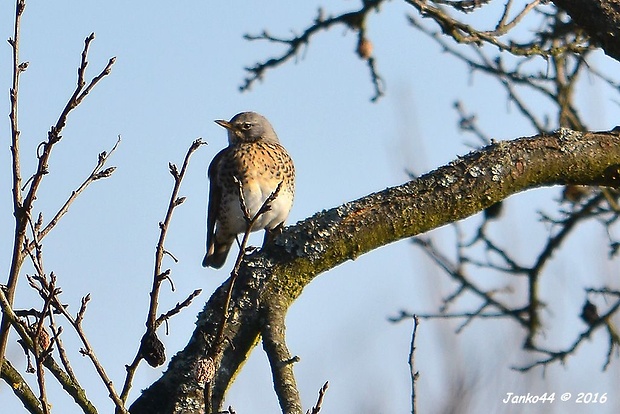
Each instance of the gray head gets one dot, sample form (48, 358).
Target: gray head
(248, 127)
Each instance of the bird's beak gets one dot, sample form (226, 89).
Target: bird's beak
(224, 124)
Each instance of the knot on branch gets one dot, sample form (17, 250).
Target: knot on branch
(612, 174)
(152, 349)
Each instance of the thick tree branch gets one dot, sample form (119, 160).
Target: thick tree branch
(280, 359)
(20, 388)
(278, 273)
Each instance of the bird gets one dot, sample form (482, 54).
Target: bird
(257, 163)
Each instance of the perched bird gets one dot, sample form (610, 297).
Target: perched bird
(256, 162)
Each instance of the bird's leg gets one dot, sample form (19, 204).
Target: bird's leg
(271, 234)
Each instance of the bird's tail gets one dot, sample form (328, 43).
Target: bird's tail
(216, 254)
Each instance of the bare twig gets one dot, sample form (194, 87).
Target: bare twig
(22, 206)
(563, 50)
(64, 359)
(560, 356)
(69, 384)
(160, 251)
(467, 34)
(414, 374)
(177, 308)
(235, 271)
(553, 244)
(528, 315)
(404, 315)
(42, 345)
(48, 291)
(96, 174)
(18, 204)
(467, 122)
(54, 134)
(319, 402)
(352, 20)
(455, 272)
(151, 347)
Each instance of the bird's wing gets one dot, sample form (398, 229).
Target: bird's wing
(215, 197)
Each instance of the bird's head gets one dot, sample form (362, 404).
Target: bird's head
(248, 127)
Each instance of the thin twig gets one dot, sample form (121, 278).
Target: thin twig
(43, 345)
(319, 402)
(23, 206)
(467, 34)
(560, 356)
(160, 250)
(177, 308)
(235, 271)
(403, 315)
(152, 321)
(48, 291)
(96, 174)
(454, 271)
(352, 20)
(414, 374)
(18, 204)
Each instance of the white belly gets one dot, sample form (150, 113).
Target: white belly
(255, 195)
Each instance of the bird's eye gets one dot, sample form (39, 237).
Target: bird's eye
(246, 125)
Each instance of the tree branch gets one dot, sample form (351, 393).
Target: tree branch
(355, 20)
(413, 372)
(151, 348)
(97, 173)
(280, 360)
(278, 273)
(22, 206)
(20, 388)
(68, 383)
(18, 256)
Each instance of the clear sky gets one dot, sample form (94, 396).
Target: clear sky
(178, 68)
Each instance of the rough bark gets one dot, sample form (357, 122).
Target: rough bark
(275, 276)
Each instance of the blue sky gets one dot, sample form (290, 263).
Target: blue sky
(178, 68)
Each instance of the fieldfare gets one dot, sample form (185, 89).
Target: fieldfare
(255, 162)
